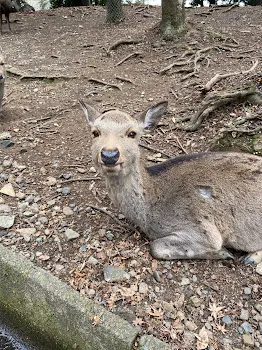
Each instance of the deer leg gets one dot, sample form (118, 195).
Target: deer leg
(254, 258)
(203, 242)
(8, 21)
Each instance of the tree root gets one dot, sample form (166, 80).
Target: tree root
(134, 54)
(122, 42)
(219, 77)
(213, 101)
(101, 82)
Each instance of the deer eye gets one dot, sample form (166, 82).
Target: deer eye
(132, 134)
(95, 133)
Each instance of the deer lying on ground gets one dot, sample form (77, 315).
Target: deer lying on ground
(6, 7)
(191, 206)
(2, 81)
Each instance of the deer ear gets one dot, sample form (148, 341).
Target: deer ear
(151, 117)
(90, 113)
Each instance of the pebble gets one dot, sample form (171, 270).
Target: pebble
(244, 315)
(68, 211)
(20, 195)
(3, 233)
(65, 190)
(7, 221)
(4, 208)
(191, 326)
(247, 327)
(71, 234)
(247, 290)
(51, 181)
(258, 307)
(143, 288)
(185, 281)
(247, 340)
(7, 163)
(26, 231)
(93, 261)
(115, 273)
(8, 190)
(109, 235)
(227, 320)
(157, 276)
(6, 143)
(5, 135)
(259, 268)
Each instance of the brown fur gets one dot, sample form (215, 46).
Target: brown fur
(192, 206)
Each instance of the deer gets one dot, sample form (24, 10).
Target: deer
(2, 81)
(6, 7)
(192, 206)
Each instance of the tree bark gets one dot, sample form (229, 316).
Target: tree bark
(173, 19)
(114, 11)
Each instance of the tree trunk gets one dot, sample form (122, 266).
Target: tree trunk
(173, 19)
(114, 11)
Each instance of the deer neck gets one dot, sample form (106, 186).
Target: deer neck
(128, 193)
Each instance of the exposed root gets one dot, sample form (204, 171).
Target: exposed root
(122, 42)
(231, 7)
(213, 101)
(134, 54)
(125, 80)
(101, 82)
(219, 77)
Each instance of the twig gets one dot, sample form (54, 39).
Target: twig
(104, 211)
(230, 8)
(219, 77)
(248, 118)
(181, 146)
(122, 42)
(134, 54)
(126, 79)
(149, 148)
(80, 179)
(104, 83)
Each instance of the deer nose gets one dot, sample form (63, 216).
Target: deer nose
(109, 157)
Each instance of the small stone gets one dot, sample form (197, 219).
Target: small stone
(51, 181)
(44, 257)
(8, 190)
(67, 175)
(20, 195)
(115, 273)
(30, 199)
(4, 208)
(143, 288)
(65, 191)
(83, 249)
(169, 275)
(51, 203)
(5, 135)
(227, 320)
(59, 267)
(247, 290)
(7, 163)
(26, 231)
(185, 281)
(195, 301)
(93, 261)
(259, 268)
(43, 220)
(28, 213)
(71, 234)
(81, 170)
(244, 315)
(68, 211)
(7, 221)
(191, 326)
(3, 233)
(6, 143)
(109, 235)
(247, 340)
(258, 307)
(92, 170)
(247, 327)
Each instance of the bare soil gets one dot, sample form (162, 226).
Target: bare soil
(51, 56)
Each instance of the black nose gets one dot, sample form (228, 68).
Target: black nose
(109, 157)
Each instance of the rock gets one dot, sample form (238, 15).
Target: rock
(51, 181)
(20, 195)
(59, 267)
(67, 175)
(4, 208)
(247, 340)
(93, 261)
(259, 268)
(68, 211)
(7, 163)
(115, 273)
(5, 135)
(3, 233)
(196, 301)
(71, 234)
(109, 235)
(92, 170)
(143, 288)
(227, 320)
(185, 281)
(65, 190)
(7, 221)
(244, 315)
(26, 231)
(8, 190)
(247, 327)
(191, 326)
(258, 307)
(247, 290)
(157, 276)
(6, 143)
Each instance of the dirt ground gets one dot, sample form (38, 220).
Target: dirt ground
(52, 57)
